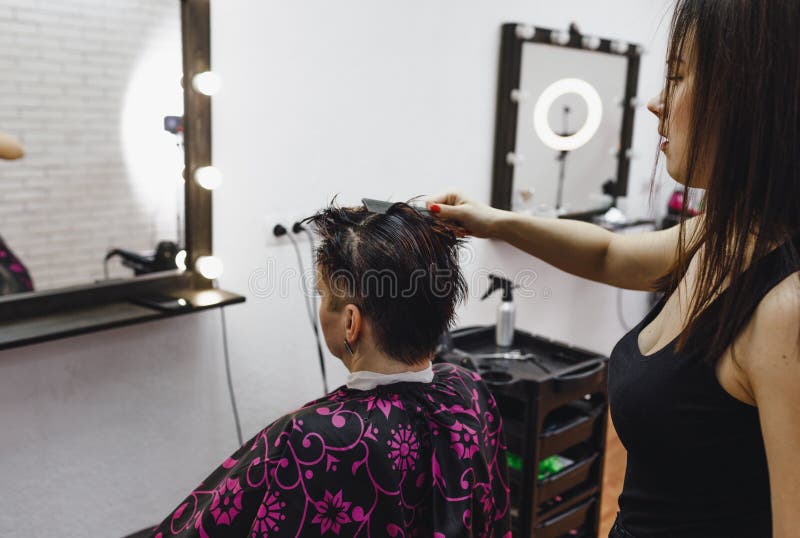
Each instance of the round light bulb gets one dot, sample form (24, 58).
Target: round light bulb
(560, 38)
(514, 159)
(525, 31)
(591, 42)
(209, 266)
(180, 260)
(519, 96)
(208, 177)
(620, 47)
(207, 82)
(594, 115)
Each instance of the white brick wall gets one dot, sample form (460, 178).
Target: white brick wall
(66, 69)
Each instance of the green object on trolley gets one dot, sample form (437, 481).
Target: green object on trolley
(552, 465)
(547, 466)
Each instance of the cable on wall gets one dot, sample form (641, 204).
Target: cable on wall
(228, 375)
(311, 314)
(299, 227)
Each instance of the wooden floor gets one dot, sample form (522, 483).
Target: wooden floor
(613, 475)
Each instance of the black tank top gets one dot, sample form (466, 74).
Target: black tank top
(696, 460)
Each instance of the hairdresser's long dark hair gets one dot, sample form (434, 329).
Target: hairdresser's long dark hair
(745, 123)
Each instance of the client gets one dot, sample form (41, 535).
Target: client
(405, 448)
(14, 276)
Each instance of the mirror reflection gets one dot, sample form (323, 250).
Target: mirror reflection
(91, 103)
(568, 130)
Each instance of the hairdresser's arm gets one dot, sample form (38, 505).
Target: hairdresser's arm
(631, 261)
(770, 360)
(10, 148)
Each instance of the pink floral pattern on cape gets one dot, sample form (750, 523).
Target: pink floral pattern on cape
(401, 460)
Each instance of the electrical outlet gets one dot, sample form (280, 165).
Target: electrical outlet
(287, 220)
(270, 221)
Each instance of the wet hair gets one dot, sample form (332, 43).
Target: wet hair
(744, 136)
(400, 269)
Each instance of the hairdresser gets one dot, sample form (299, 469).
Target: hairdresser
(14, 277)
(705, 391)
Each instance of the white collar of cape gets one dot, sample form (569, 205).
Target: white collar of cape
(365, 380)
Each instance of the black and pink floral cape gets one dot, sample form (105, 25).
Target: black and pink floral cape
(14, 276)
(405, 459)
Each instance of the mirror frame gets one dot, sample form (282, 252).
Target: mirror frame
(196, 54)
(513, 37)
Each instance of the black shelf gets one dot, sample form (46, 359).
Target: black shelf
(569, 425)
(574, 519)
(568, 478)
(67, 322)
(567, 500)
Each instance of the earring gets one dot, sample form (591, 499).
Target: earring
(347, 345)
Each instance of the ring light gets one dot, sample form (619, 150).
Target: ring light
(594, 115)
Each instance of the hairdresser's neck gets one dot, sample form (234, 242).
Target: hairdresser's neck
(372, 360)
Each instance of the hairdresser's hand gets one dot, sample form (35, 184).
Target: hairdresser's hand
(478, 219)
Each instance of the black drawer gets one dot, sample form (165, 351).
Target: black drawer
(574, 518)
(581, 379)
(566, 500)
(567, 478)
(569, 426)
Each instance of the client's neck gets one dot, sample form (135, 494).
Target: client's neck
(375, 361)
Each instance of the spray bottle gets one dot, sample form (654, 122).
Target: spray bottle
(504, 330)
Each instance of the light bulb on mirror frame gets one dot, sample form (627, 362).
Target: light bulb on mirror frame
(514, 159)
(209, 267)
(208, 177)
(591, 42)
(525, 31)
(559, 37)
(519, 96)
(620, 47)
(207, 83)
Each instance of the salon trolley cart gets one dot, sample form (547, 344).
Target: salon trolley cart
(552, 397)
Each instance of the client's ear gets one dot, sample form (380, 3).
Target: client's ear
(352, 322)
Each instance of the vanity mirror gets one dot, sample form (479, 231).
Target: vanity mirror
(564, 124)
(109, 210)
(92, 90)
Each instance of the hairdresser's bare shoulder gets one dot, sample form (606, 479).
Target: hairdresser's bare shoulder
(633, 261)
(770, 358)
(769, 343)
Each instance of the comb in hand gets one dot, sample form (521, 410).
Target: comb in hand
(382, 206)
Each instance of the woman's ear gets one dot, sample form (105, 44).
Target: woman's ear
(352, 322)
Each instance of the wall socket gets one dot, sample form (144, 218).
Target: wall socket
(287, 219)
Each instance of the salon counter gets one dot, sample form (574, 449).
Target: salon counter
(74, 321)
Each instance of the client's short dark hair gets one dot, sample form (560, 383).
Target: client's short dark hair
(400, 268)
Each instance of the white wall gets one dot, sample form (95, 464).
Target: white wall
(102, 434)
(385, 100)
